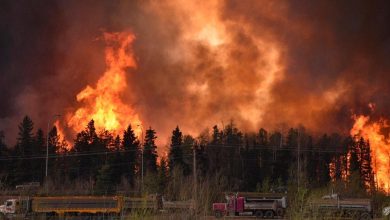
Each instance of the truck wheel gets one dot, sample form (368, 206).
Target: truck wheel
(269, 214)
(280, 212)
(259, 214)
(365, 216)
(218, 214)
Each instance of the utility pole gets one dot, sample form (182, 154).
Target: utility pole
(299, 158)
(376, 176)
(47, 148)
(195, 176)
(142, 157)
(388, 173)
(47, 144)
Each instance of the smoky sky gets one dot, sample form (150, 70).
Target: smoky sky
(334, 57)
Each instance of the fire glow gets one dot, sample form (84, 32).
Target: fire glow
(379, 143)
(103, 103)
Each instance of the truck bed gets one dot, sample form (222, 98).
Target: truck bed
(343, 203)
(141, 203)
(265, 205)
(85, 204)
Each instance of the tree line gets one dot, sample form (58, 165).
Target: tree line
(257, 161)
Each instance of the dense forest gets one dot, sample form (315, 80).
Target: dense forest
(233, 160)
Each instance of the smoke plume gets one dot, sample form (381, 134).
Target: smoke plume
(259, 63)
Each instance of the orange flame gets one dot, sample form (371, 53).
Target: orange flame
(103, 103)
(65, 144)
(379, 143)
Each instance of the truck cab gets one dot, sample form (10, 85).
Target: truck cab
(14, 207)
(9, 206)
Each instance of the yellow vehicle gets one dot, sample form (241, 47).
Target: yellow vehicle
(63, 206)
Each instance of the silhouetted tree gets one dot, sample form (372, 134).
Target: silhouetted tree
(278, 167)
(117, 161)
(3, 154)
(131, 155)
(175, 154)
(105, 143)
(366, 170)
(24, 171)
(162, 175)
(312, 163)
(104, 183)
(213, 150)
(54, 144)
(188, 152)
(231, 151)
(202, 158)
(150, 151)
(324, 159)
(86, 143)
(264, 157)
(39, 149)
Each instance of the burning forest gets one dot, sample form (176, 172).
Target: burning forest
(248, 95)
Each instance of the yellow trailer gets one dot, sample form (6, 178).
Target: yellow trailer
(77, 204)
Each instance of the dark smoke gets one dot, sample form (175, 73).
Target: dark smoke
(335, 58)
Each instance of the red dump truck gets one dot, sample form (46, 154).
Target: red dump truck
(261, 205)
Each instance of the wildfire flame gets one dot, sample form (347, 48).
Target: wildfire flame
(103, 103)
(379, 143)
(65, 145)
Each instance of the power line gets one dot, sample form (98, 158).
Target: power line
(315, 149)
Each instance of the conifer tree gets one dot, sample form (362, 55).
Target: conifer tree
(277, 168)
(290, 156)
(150, 151)
(232, 139)
(39, 149)
(214, 150)
(162, 175)
(131, 155)
(264, 155)
(104, 182)
(23, 170)
(116, 161)
(3, 150)
(189, 143)
(25, 137)
(54, 144)
(175, 152)
(87, 141)
(324, 159)
(355, 181)
(202, 164)
(366, 170)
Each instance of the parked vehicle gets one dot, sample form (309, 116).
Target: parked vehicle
(179, 206)
(335, 206)
(386, 212)
(62, 206)
(91, 206)
(261, 205)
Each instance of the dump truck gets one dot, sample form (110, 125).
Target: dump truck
(67, 206)
(331, 206)
(62, 206)
(386, 212)
(187, 206)
(149, 204)
(261, 205)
